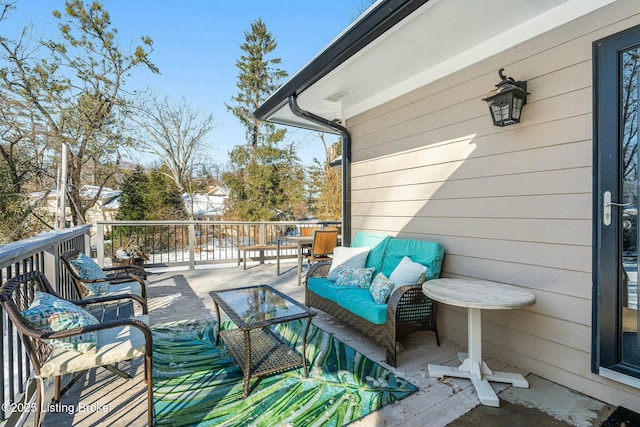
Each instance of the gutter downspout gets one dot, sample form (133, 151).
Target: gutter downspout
(346, 163)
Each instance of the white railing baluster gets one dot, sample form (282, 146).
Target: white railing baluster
(192, 246)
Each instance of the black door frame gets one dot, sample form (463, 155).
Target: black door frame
(607, 241)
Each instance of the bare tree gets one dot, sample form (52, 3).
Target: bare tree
(76, 88)
(21, 171)
(6, 7)
(173, 132)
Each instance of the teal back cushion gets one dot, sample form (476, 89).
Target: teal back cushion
(429, 254)
(378, 245)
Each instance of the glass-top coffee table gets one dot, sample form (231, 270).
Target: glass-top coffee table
(256, 348)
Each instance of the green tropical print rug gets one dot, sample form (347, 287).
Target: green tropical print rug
(198, 384)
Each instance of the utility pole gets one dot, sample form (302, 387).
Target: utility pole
(62, 194)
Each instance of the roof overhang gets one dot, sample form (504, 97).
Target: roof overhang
(397, 46)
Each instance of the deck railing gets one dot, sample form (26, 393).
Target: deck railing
(190, 243)
(40, 253)
(166, 242)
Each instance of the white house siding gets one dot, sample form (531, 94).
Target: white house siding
(512, 204)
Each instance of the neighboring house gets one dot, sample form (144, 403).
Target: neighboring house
(105, 209)
(107, 205)
(524, 204)
(206, 207)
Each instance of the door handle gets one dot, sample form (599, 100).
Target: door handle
(606, 204)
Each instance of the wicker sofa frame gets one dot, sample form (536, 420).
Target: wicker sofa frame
(408, 310)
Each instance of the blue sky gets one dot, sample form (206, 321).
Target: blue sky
(196, 45)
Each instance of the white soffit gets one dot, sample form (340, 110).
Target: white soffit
(441, 37)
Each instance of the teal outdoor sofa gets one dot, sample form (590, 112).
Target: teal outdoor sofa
(407, 309)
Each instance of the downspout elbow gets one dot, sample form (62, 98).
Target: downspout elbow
(346, 162)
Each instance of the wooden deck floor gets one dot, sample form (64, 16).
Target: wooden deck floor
(103, 399)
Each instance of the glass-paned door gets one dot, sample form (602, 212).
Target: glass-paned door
(616, 101)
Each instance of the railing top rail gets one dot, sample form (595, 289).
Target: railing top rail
(169, 222)
(16, 251)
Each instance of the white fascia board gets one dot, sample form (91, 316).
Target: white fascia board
(556, 17)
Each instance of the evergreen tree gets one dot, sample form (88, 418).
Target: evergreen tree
(265, 182)
(150, 196)
(164, 199)
(132, 200)
(258, 77)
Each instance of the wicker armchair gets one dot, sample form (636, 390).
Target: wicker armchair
(122, 272)
(125, 281)
(117, 340)
(408, 310)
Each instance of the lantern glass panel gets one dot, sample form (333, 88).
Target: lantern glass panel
(500, 110)
(517, 109)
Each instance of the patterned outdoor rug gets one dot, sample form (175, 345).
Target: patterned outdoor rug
(199, 384)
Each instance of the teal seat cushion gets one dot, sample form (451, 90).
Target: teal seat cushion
(378, 245)
(429, 254)
(360, 301)
(323, 287)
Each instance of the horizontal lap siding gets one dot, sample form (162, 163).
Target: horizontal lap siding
(509, 204)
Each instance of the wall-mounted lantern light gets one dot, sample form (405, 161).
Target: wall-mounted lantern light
(506, 100)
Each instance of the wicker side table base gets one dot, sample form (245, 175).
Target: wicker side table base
(260, 352)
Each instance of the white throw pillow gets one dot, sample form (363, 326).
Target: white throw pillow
(347, 256)
(407, 272)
